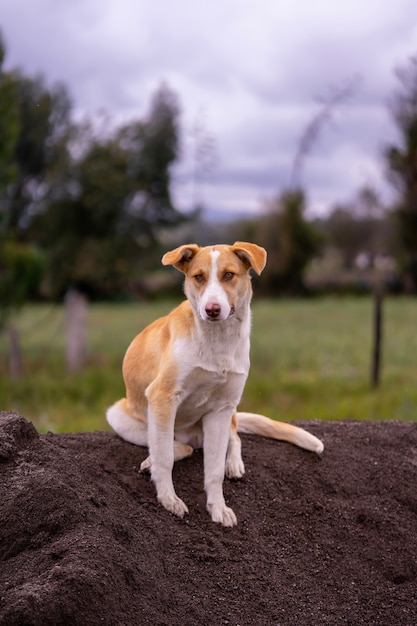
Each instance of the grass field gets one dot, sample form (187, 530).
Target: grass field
(310, 360)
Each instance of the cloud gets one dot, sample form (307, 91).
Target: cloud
(258, 72)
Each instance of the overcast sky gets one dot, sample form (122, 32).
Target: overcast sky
(253, 74)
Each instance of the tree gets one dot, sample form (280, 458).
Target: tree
(292, 242)
(402, 170)
(92, 204)
(152, 147)
(39, 152)
(115, 203)
(360, 226)
(345, 234)
(20, 263)
(9, 131)
(35, 128)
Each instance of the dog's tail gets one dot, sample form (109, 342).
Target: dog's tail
(254, 424)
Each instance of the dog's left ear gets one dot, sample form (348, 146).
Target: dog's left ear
(250, 254)
(181, 257)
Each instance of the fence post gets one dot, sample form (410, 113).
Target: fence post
(15, 353)
(76, 318)
(377, 328)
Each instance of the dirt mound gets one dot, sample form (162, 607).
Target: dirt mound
(328, 540)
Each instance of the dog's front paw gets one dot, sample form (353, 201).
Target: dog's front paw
(223, 515)
(173, 504)
(234, 468)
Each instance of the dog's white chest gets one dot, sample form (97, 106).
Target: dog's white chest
(202, 384)
(210, 377)
(204, 391)
(213, 358)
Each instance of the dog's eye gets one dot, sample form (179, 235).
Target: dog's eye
(228, 276)
(199, 278)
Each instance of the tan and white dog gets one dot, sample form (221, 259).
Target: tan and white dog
(185, 374)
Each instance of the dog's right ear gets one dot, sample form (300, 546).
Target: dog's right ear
(181, 257)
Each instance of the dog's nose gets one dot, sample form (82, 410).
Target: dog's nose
(213, 309)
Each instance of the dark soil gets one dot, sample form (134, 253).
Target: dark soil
(330, 540)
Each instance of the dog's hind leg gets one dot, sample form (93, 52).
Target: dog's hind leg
(135, 431)
(181, 451)
(234, 464)
(127, 427)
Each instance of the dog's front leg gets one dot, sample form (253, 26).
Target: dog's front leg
(161, 456)
(216, 427)
(162, 407)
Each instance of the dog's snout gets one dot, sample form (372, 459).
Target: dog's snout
(213, 309)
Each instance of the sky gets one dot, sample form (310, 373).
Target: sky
(250, 76)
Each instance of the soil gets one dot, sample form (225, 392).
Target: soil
(319, 540)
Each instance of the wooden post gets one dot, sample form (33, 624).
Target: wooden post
(15, 353)
(76, 318)
(377, 335)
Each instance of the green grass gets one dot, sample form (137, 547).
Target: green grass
(310, 359)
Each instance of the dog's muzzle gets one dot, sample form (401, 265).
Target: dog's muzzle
(213, 312)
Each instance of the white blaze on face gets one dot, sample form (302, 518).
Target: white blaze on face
(214, 304)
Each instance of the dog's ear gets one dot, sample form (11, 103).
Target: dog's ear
(181, 257)
(251, 255)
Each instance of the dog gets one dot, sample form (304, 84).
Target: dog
(185, 374)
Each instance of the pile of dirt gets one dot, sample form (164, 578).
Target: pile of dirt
(328, 540)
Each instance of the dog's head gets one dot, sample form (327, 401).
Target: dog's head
(217, 280)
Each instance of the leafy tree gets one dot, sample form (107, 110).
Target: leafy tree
(360, 226)
(20, 264)
(40, 149)
(116, 202)
(292, 242)
(152, 147)
(34, 132)
(345, 234)
(402, 170)
(21, 269)
(9, 131)
(93, 204)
